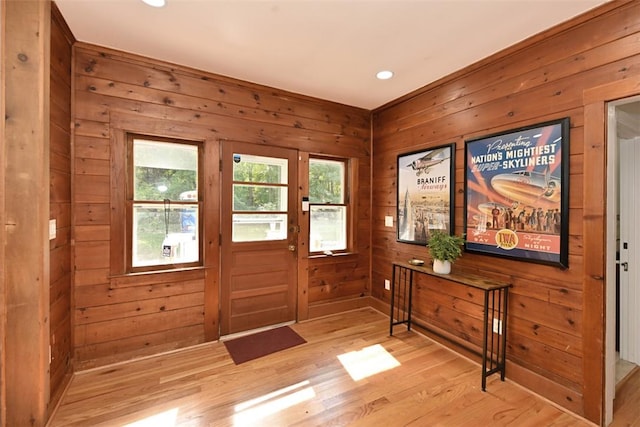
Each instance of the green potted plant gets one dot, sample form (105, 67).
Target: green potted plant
(444, 248)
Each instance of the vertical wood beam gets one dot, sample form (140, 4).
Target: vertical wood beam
(594, 196)
(302, 303)
(26, 35)
(3, 302)
(211, 239)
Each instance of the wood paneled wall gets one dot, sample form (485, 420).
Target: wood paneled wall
(60, 205)
(540, 79)
(120, 316)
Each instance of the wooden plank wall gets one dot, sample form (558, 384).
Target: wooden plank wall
(3, 234)
(60, 206)
(540, 79)
(119, 317)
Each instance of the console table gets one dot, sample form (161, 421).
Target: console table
(496, 294)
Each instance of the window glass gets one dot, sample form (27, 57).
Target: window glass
(164, 170)
(328, 231)
(328, 208)
(165, 206)
(155, 244)
(326, 181)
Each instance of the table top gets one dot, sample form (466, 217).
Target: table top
(463, 278)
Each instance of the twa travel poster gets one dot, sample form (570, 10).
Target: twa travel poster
(516, 193)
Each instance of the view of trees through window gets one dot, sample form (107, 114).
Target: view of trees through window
(165, 203)
(259, 198)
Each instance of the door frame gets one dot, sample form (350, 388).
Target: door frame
(597, 324)
(611, 298)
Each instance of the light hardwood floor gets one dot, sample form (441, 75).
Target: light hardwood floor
(424, 384)
(626, 405)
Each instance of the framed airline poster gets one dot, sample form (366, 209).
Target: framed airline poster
(516, 193)
(425, 193)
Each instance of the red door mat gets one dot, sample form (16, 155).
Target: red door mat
(250, 347)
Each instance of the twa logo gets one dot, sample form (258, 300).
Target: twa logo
(506, 239)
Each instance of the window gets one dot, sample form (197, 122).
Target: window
(328, 203)
(163, 203)
(259, 198)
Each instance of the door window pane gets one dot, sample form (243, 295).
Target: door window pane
(259, 169)
(253, 227)
(259, 198)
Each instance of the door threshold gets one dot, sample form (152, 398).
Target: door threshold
(255, 331)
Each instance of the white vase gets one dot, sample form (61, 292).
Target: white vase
(441, 267)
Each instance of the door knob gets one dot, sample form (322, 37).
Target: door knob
(292, 248)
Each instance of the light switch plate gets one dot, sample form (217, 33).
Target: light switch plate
(52, 229)
(388, 221)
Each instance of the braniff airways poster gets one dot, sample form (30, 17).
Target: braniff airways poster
(424, 193)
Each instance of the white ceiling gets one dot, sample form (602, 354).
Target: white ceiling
(329, 49)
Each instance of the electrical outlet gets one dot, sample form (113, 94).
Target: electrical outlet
(387, 285)
(497, 326)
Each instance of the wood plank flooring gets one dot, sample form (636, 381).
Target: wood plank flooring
(419, 383)
(626, 405)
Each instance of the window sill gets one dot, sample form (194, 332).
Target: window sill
(337, 254)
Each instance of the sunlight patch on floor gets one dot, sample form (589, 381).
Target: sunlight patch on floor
(252, 411)
(367, 362)
(163, 419)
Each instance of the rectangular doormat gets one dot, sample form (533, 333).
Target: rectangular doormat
(250, 347)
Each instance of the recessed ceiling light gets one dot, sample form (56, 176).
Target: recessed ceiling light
(384, 75)
(155, 3)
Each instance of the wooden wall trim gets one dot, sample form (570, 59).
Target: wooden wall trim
(594, 277)
(303, 247)
(26, 32)
(3, 232)
(211, 243)
(118, 174)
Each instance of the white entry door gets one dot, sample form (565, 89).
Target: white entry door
(629, 250)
